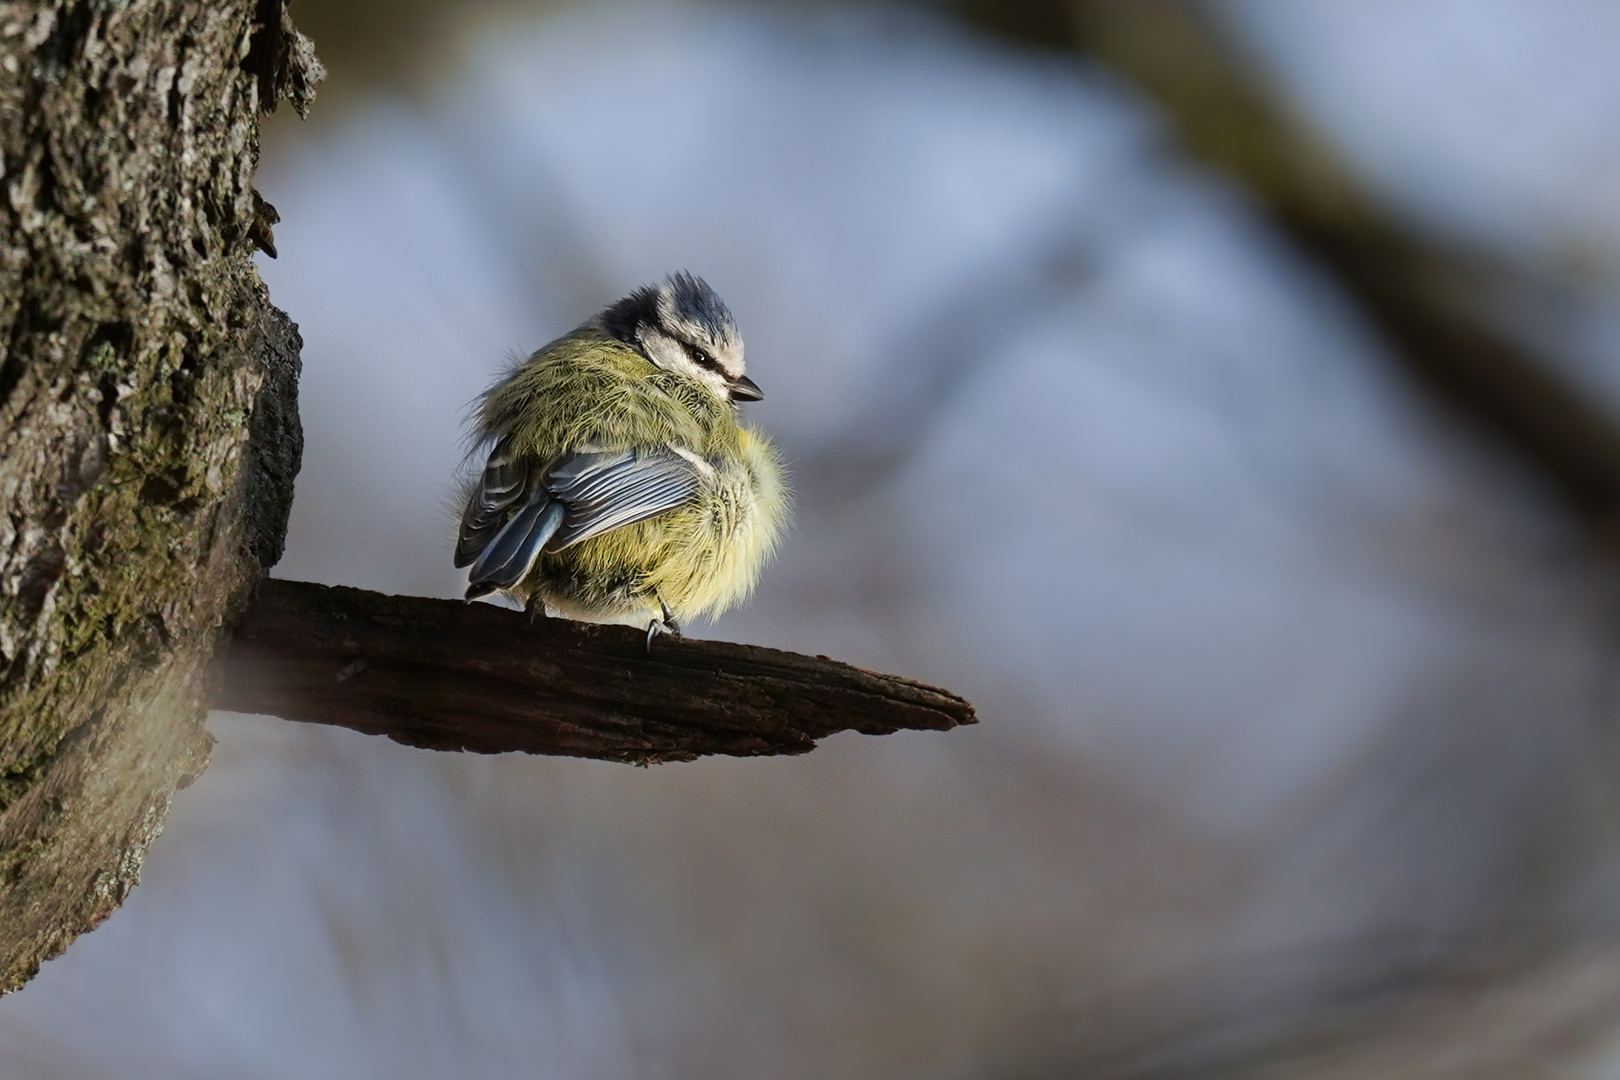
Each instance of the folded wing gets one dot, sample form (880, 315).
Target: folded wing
(582, 495)
(489, 507)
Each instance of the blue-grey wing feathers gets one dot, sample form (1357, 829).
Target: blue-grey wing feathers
(611, 490)
(582, 495)
(489, 507)
(508, 558)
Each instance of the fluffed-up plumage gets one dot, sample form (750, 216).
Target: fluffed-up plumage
(620, 485)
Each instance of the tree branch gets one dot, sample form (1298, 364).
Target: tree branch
(445, 675)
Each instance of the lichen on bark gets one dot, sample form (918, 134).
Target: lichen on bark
(148, 423)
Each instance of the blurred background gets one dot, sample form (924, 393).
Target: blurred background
(1224, 396)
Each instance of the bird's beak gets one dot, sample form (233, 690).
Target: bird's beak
(745, 389)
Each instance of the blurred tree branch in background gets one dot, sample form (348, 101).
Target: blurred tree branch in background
(447, 675)
(1429, 303)
(1537, 1006)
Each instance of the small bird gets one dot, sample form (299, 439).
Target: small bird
(620, 484)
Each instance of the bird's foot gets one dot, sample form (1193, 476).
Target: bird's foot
(666, 625)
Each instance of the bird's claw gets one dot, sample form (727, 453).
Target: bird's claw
(666, 625)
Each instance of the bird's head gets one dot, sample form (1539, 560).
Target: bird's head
(682, 325)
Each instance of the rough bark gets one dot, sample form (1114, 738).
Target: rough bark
(148, 424)
(444, 675)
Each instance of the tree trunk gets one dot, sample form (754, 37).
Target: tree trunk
(148, 424)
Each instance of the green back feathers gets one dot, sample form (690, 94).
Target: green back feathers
(617, 398)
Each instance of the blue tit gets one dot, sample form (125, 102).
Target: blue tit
(620, 485)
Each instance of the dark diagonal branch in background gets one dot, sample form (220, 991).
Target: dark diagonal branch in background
(1430, 303)
(444, 675)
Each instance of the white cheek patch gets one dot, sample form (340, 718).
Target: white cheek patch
(665, 352)
(730, 358)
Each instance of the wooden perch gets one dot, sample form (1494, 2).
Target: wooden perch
(446, 675)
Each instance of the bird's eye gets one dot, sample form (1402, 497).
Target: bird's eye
(701, 358)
